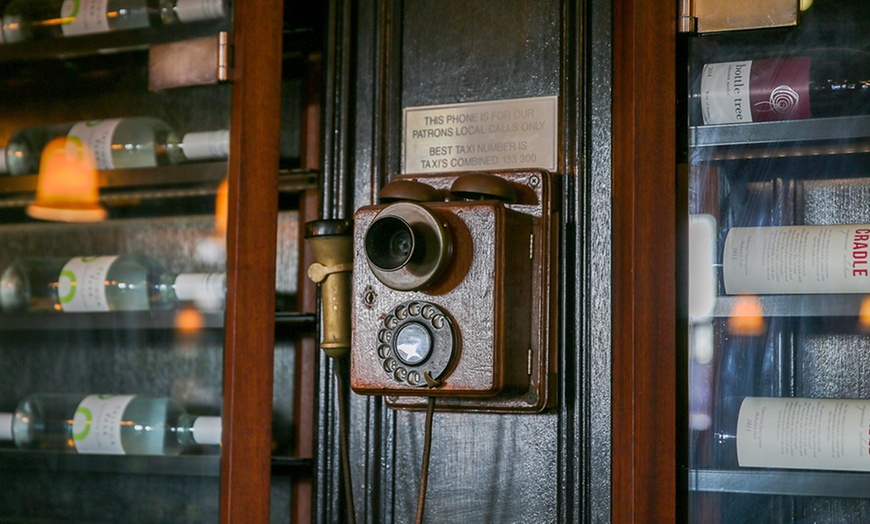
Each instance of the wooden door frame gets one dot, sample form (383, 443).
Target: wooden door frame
(645, 359)
(251, 260)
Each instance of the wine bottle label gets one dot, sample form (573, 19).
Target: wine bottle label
(96, 426)
(755, 91)
(82, 17)
(804, 433)
(797, 259)
(98, 135)
(81, 285)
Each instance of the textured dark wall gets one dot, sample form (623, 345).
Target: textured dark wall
(484, 467)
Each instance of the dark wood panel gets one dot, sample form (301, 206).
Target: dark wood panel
(644, 307)
(251, 252)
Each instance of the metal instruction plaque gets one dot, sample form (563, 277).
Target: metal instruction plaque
(498, 134)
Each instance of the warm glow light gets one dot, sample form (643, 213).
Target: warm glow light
(747, 317)
(67, 189)
(189, 320)
(864, 314)
(221, 210)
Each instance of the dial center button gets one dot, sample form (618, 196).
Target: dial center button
(413, 343)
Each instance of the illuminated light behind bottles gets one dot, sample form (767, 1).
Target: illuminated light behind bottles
(747, 317)
(67, 187)
(222, 207)
(189, 320)
(213, 249)
(864, 315)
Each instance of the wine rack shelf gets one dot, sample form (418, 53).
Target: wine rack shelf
(285, 322)
(103, 43)
(184, 465)
(187, 180)
(794, 305)
(791, 138)
(769, 482)
(296, 40)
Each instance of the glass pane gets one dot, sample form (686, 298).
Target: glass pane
(111, 331)
(779, 201)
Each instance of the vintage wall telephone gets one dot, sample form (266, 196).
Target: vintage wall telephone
(453, 291)
(444, 289)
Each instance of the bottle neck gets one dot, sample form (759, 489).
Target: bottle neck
(6, 420)
(3, 168)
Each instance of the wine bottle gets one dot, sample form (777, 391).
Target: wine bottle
(822, 83)
(117, 143)
(37, 19)
(107, 424)
(797, 259)
(104, 283)
(798, 433)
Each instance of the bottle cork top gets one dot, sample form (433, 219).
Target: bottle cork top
(207, 430)
(206, 289)
(193, 10)
(206, 144)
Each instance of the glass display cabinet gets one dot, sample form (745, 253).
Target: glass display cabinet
(778, 201)
(133, 390)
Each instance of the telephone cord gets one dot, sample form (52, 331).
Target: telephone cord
(424, 470)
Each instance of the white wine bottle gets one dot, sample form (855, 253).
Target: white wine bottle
(797, 259)
(104, 283)
(117, 143)
(37, 19)
(796, 433)
(107, 424)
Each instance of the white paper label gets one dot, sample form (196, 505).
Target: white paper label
(797, 259)
(804, 433)
(97, 134)
(725, 93)
(81, 285)
(500, 134)
(97, 424)
(85, 17)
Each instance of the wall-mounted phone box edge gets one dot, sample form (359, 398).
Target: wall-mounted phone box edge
(504, 289)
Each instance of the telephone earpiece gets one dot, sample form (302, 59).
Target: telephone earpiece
(481, 186)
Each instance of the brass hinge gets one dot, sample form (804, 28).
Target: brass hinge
(686, 21)
(224, 56)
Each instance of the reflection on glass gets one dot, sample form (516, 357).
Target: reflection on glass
(213, 249)
(747, 317)
(864, 314)
(67, 189)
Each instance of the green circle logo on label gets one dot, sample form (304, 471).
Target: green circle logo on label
(66, 286)
(69, 11)
(82, 423)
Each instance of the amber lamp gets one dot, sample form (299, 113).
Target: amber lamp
(67, 188)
